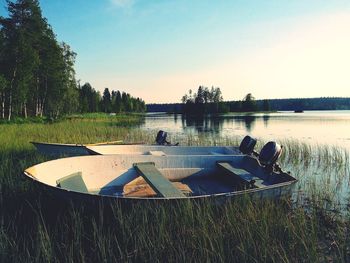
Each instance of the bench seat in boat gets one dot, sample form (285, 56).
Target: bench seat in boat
(161, 185)
(242, 176)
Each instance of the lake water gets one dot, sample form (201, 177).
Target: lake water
(321, 127)
(313, 127)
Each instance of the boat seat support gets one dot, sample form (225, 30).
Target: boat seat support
(73, 182)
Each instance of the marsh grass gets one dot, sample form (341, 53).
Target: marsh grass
(35, 227)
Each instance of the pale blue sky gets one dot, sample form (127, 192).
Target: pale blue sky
(159, 49)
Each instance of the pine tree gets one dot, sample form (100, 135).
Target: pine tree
(249, 103)
(118, 102)
(106, 101)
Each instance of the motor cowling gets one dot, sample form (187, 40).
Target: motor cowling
(270, 153)
(247, 145)
(161, 137)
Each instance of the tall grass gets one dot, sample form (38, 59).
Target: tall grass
(35, 227)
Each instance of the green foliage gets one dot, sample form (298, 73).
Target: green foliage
(106, 103)
(249, 103)
(117, 102)
(273, 105)
(38, 70)
(37, 75)
(204, 101)
(118, 105)
(89, 99)
(266, 105)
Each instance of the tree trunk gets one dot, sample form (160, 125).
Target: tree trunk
(42, 110)
(25, 110)
(10, 98)
(44, 99)
(3, 105)
(10, 106)
(37, 108)
(3, 109)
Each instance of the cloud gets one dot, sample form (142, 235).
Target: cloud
(122, 3)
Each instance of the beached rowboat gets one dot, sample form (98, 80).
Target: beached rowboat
(130, 177)
(162, 148)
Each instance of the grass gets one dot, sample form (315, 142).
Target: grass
(35, 227)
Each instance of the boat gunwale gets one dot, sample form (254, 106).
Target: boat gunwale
(77, 144)
(58, 144)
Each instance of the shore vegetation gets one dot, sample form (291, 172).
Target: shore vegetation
(310, 226)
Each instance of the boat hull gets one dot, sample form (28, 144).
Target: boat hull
(275, 193)
(110, 172)
(57, 149)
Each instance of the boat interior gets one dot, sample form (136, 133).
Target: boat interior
(145, 176)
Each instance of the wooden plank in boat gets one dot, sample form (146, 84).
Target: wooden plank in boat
(157, 181)
(142, 189)
(242, 176)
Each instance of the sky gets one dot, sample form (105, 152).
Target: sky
(159, 49)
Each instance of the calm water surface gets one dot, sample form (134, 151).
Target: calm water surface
(321, 127)
(314, 127)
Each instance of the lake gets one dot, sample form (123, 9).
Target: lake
(312, 127)
(315, 127)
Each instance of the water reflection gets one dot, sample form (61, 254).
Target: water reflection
(175, 118)
(266, 120)
(327, 127)
(247, 120)
(206, 124)
(216, 124)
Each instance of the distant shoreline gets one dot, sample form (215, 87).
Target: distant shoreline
(295, 104)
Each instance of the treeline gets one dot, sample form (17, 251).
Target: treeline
(204, 101)
(37, 76)
(115, 101)
(36, 72)
(325, 103)
(210, 101)
(251, 105)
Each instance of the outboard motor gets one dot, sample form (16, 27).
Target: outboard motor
(270, 153)
(161, 138)
(247, 145)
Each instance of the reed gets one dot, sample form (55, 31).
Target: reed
(313, 226)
